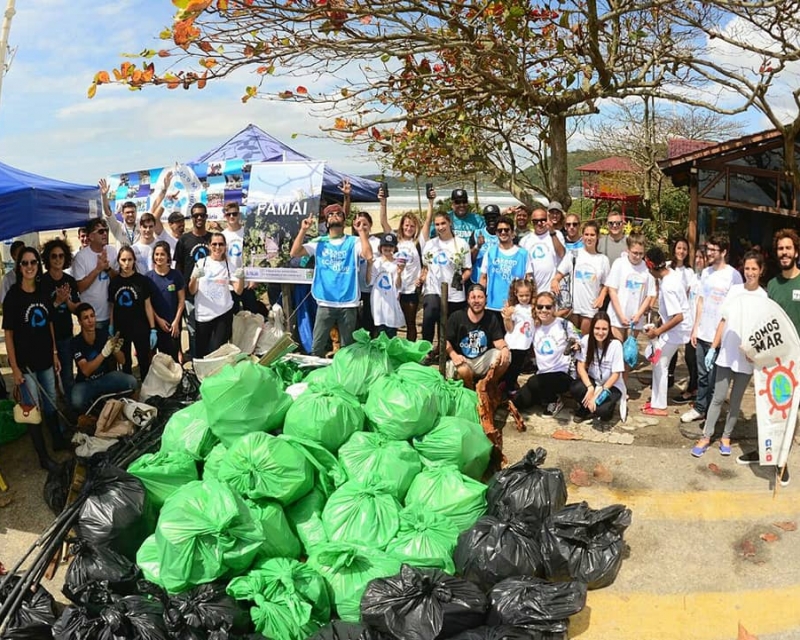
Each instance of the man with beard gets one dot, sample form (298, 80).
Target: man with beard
(475, 341)
(785, 290)
(335, 284)
(465, 223)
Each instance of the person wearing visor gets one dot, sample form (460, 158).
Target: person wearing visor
(335, 283)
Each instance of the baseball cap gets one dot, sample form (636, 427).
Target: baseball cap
(491, 210)
(388, 240)
(555, 205)
(459, 195)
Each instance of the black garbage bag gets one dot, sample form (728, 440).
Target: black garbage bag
(528, 490)
(501, 632)
(579, 543)
(34, 616)
(494, 549)
(204, 612)
(127, 618)
(113, 513)
(341, 630)
(536, 604)
(95, 573)
(56, 487)
(422, 604)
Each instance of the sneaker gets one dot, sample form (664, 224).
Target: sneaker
(748, 458)
(785, 478)
(554, 407)
(581, 417)
(691, 415)
(682, 399)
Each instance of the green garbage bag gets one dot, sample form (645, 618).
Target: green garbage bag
(279, 539)
(9, 429)
(363, 514)
(399, 408)
(187, 430)
(205, 532)
(288, 371)
(320, 379)
(212, 462)
(288, 583)
(444, 489)
(431, 378)
(326, 417)
(368, 455)
(465, 401)
(305, 517)
(260, 465)
(357, 366)
(244, 398)
(147, 560)
(329, 473)
(425, 539)
(162, 473)
(401, 351)
(348, 570)
(457, 441)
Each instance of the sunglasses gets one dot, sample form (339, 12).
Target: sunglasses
(572, 224)
(615, 224)
(539, 220)
(28, 263)
(217, 244)
(503, 230)
(544, 307)
(199, 215)
(101, 230)
(231, 213)
(56, 256)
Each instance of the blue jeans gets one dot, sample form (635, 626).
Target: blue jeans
(85, 393)
(64, 348)
(30, 392)
(191, 325)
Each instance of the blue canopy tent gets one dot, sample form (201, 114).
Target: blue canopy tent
(253, 144)
(29, 202)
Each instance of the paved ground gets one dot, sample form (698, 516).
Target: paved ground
(705, 550)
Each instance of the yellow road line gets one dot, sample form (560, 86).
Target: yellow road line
(695, 505)
(691, 616)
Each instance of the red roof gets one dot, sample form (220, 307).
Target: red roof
(614, 163)
(681, 146)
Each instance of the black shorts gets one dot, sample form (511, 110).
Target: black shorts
(409, 298)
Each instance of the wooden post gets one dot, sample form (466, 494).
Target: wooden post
(442, 329)
(691, 232)
(286, 295)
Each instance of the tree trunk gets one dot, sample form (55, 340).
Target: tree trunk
(558, 160)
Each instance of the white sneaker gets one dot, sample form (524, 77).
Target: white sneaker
(554, 407)
(691, 415)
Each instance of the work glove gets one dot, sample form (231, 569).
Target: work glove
(711, 355)
(108, 348)
(153, 339)
(198, 272)
(118, 344)
(239, 273)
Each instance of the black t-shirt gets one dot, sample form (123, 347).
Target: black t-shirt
(29, 316)
(62, 316)
(189, 250)
(82, 350)
(471, 339)
(128, 296)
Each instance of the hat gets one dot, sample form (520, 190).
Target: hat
(491, 210)
(332, 208)
(459, 194)
(555, 205)
(175, 216)
(388, 240)
(476, 287)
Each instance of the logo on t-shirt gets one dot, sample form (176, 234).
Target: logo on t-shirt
(235, 250)
(538, 252)
(126, 297)
(474, 343)
(199, 252)
(36, 316)
(545, 347)
(384, 282)
(103, 276)
(441, 258)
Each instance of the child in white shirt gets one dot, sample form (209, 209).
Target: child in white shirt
(518, 321)
(386, 280)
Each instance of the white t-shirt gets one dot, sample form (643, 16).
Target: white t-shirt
(714, 286)
(543, 257)
(604, 364)
(440, 257)
(9, 280)
(734, 333)
(384, 297)
(591, 271)
(671, 301)
(691, 283)
(363, 285)
(633, 283)
(520, 336)
(549, 343)
(213, 297)
(97, 294)
(408, 279)
(144, 253)
(235, 245)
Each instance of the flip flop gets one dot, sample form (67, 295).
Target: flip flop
(650, 411)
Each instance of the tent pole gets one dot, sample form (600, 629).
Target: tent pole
(10, 11)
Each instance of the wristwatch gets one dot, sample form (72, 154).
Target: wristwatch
(552, 233)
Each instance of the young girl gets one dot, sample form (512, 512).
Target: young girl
(518, 321)
(552, 340)
(731, 365)
(631, 289)
(679, 261)
(600, 384)
(386, 280)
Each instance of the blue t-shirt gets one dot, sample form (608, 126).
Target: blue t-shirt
(489, 241)
(82, 350)
(463, 227)
(165, 290)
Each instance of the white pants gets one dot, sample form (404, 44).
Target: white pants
(658, 398)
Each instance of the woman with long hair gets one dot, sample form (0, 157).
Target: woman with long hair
(680, 262)
(600, 385)
(168, 299)
(210, 284)
(132, 312)
(31, 345)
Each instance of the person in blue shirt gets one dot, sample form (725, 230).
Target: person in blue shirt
(465, 222)
(484, 239)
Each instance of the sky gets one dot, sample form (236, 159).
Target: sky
(49, 126)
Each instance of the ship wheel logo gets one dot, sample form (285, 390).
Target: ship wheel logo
(780, 387)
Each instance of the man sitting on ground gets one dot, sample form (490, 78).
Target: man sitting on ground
(475, 341)
(96, 356)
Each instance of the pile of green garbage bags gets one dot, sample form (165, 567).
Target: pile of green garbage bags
(298, 505)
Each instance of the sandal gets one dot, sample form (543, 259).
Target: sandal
(725, 449)
(701, 447)
(650, 411)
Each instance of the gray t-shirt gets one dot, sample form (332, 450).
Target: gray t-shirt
(613, 249)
